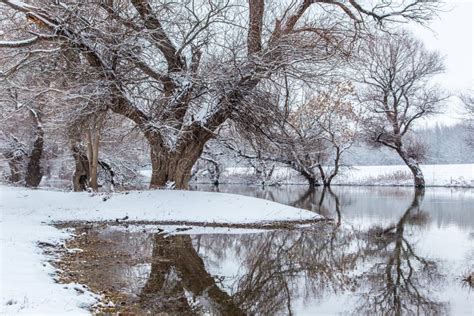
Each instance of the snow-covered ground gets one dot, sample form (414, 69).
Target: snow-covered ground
(452, 175)
(27, 284)
(455, 175)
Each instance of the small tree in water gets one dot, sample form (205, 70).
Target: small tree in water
(395, 71)
(333, 115)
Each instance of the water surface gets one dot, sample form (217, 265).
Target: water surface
(388, 252)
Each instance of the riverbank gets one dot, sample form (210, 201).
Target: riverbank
(27, 279)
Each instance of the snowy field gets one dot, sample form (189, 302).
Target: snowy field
(27, 285)
(452, 175)
(455, 175)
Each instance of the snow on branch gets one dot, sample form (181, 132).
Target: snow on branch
(18, 5)
(19, 43)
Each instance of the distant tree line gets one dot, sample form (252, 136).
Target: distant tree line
(444, 144)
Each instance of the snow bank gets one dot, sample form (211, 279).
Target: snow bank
(26, 284)
(156, 205)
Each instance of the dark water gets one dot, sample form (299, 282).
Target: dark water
(389, 252)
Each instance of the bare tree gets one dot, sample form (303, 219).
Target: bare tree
(180, 70)
(395, 71)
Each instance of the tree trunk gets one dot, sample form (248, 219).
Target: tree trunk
(213, 169)
(335, 171)
(15, 164)
(216, 174)
(413, 165)
(173, 168)
(93, 140)
(108, 168)
(34, 173)
(93, 131)
(311, 178)
(323, 176)
(80, 178)
(418, 177)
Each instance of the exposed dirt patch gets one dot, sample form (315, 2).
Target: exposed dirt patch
(86, 259)
(260, 225)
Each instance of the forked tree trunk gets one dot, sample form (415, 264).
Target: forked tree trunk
(313, 182)
(93, 130)
(311, 178)
(335, 171)
(323, 176)
(173, 168)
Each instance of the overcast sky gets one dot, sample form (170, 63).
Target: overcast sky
(452, 35)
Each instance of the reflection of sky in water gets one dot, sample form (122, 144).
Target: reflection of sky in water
(326, 271)
(369, 205)
(445, 236)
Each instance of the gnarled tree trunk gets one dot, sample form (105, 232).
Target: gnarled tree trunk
(80, 178)
(172, 168)
(413, 165)
(327, 178)
(34, 172)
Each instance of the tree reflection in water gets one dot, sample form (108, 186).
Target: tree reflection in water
(178, 278)
(280, 267)
(401, 282)
(378, 266)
